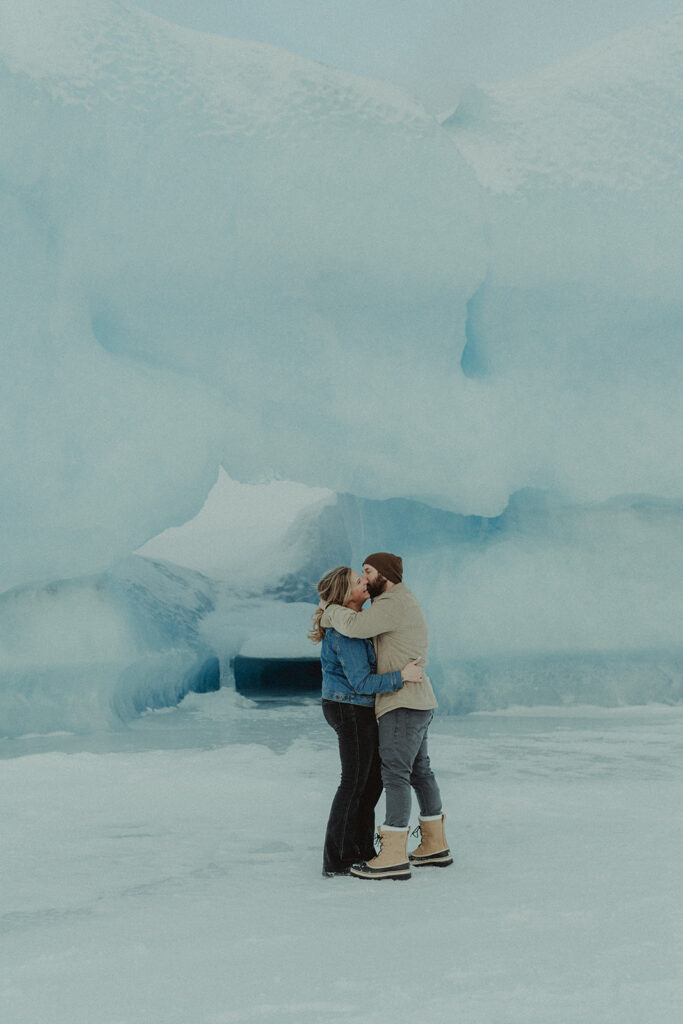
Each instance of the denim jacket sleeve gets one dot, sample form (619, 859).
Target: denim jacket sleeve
(353, 657)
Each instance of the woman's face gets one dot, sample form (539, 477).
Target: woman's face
(359, 591)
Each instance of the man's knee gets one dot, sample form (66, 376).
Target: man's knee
(395, 770)
(421, 776)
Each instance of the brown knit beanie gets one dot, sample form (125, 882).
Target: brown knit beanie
(390, 566)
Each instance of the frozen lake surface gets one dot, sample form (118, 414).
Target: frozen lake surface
(169, 873)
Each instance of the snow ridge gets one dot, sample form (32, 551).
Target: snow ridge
(92, 52)
(610, 117)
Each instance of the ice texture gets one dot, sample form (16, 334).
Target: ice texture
(608, 117)
(89, 653)
(214, 243)
(218, 253)
(94, 653)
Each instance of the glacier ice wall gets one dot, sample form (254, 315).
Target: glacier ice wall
(222, 252)
(95, 652)
(544, 604)
(92, 652)
(581, 309)
(217, 252)
(215, 245)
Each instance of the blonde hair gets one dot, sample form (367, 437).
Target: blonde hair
(335, 588)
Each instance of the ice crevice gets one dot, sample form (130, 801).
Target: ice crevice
(473, 361)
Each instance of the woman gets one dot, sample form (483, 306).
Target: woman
(350, 683)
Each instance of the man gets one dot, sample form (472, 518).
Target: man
(399, 631)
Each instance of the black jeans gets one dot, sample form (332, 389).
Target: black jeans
(351, 825)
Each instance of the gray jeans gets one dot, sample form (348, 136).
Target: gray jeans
(405, 763)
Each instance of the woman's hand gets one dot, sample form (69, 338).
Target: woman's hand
(412, 673)
(322, 605)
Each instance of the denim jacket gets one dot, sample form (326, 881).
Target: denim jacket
(349, 671)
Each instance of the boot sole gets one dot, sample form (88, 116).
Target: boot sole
(399, 873)
(434, 860)
(383, 878)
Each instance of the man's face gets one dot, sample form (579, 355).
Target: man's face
(376, 583)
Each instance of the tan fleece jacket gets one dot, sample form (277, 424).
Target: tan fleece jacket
(399, 631)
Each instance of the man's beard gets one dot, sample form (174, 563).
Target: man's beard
(377, 587)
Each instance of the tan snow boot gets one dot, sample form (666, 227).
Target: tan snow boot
(392, 860)
(433, 850)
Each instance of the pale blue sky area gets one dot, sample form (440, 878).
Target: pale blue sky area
(429, 47)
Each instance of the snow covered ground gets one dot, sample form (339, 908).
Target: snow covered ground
(170, 872)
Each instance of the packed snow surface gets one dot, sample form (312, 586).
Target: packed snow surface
(171, 873)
